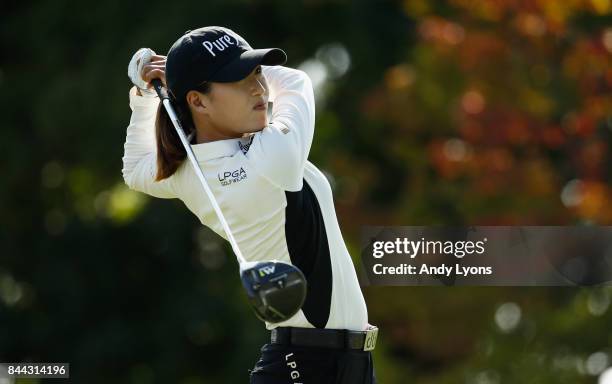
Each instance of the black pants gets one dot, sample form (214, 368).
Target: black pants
(287, 364)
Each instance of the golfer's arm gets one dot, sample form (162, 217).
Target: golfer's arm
(140, 151)
(280, 151)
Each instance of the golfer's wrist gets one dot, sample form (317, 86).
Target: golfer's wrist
(147, 93)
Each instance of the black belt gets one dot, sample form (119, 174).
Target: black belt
(326, 338)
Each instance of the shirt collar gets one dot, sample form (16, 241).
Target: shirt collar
(220, 148)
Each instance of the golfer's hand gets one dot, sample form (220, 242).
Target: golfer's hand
(154, 69)
(146, 62)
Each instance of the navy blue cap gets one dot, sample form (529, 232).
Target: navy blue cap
(213, 54)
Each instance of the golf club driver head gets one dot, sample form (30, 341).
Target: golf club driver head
(276, 290)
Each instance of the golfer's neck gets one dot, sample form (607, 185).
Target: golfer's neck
(206, 134)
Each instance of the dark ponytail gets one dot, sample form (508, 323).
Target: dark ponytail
(170, 150)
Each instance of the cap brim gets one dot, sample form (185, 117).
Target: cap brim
(243, 65)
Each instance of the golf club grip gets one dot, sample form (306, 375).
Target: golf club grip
(159, 88)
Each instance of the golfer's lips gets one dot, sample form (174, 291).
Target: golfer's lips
(260, 106)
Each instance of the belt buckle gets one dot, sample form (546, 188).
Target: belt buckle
(371, 334)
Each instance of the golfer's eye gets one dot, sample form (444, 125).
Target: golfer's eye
(258, 70)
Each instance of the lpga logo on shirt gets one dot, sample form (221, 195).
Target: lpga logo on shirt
(229, 177)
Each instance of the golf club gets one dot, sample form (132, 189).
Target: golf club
(276, 290)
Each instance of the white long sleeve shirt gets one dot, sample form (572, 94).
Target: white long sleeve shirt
(277, 204)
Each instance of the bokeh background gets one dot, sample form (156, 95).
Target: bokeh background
(455, 112)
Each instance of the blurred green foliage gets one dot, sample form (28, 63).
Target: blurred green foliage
(448, 113)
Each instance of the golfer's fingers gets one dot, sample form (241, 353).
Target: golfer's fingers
(156, 58)
(154, 71)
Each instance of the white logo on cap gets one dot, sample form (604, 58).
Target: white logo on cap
(220, 44)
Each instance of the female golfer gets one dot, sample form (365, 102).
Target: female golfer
(278, 204)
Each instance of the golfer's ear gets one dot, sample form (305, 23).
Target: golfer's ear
(197, 101)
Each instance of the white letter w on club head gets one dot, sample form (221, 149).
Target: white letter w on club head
(267, 270)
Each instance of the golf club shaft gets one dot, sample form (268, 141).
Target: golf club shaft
(163, 96)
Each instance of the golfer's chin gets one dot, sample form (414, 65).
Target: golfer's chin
(260, 118)
(259, 125)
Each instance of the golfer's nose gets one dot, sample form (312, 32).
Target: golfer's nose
(257, 88)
